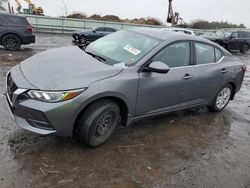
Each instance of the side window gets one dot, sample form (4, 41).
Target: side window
(247, 35)
(218, 54)
(235, 35)
(110, 29)
(100, 29)
(242, 35)
(175, 55)
(204, 54)
(17, 20)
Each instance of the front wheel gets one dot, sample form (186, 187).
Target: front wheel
(83, 39)
(98, 122)
(222, 99)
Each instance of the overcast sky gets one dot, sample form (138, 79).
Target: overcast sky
(211, 10)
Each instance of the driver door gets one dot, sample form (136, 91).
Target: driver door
(162, 92)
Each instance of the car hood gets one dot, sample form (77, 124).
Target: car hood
(65, 68)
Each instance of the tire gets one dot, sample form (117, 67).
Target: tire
(98, 122)
(83, 39)
(244, 49)
(218, 103)
(11, 42)
(224, 45)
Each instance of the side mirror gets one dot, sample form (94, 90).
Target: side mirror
(158, 67)
(94, 31)
(232, 37)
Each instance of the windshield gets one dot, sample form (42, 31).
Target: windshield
(123, 47)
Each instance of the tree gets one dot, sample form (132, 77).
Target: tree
(201, 24)
(65, 8)
(2, 2)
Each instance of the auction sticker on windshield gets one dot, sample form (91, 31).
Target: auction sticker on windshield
(131, 49)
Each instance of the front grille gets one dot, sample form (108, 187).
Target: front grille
(11, 86)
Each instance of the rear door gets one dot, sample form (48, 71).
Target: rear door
(17, 24)
(3, 26)
(162, 92)
(234, 41)
(244, 38)
(210, 72)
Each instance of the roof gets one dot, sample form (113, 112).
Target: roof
(170, 36)
(166, 35)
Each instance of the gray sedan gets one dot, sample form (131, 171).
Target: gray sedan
(121, 78)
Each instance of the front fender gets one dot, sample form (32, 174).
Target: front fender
(103, 95)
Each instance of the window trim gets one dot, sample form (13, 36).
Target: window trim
(215, 47)
(148, 62)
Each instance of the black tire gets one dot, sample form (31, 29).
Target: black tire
(98, 122)
(214, 107)
(244, 48)
(83, 39)
(11, 42)
(224, 45)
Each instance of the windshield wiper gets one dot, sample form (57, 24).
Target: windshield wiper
(97, 57)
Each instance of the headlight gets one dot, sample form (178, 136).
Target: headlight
(58, 96)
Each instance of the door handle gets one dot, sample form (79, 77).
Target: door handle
(223, 71)
(187, 77)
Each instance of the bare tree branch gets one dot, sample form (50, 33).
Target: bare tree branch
(65, 8)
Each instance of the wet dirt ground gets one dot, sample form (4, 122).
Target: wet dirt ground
(192, 148)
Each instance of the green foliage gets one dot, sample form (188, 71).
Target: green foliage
(214, 25)
(113, 18)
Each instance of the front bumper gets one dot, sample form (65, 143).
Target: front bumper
(40, 117)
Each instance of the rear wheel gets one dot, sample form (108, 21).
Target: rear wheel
(11, 42)
(245, 48)
(222, 98)
(99, 122)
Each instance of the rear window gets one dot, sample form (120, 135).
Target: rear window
(17, 20)
(204, 54)
(218, 54)
(245, 35)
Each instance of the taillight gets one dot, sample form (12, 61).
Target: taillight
(244, 69)
(29, 29)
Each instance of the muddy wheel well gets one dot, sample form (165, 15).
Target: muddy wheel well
(123, 110)
(234, 90)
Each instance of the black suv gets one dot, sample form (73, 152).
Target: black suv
(15, 31)
(238, 40)
(87, 36)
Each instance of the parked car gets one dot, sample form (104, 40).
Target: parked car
(179, 30)
(87, 36)
(15, 31)
(238, 40)
(121, 78)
